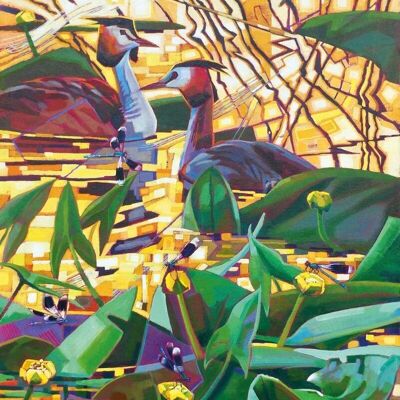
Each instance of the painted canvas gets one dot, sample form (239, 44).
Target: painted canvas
(199, 199)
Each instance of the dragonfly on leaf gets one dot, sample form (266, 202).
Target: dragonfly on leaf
(337, 268)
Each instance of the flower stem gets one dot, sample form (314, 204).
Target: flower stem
(65, 393)
(218, 378)
(323, 234)
(289, 322)
(11, 299)
(29, 392)
(85, 279)
(194, 342)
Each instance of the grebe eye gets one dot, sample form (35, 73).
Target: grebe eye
(173, 76)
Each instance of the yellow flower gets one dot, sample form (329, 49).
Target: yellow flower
(175, 391)
(320, 200)
(177, 282)
(310, 284)
(37, 372)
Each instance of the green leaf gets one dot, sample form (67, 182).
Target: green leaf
(362, 199)
(19, 213)
(14, 352)
(265, 357)
(105, 208)
(68, 231)
(267, 387)
(370, 34)
(382, 261)
(16, 312)
(223, 267)
(237, 334)
(260, 277)
(344, 323)
(371, 377)
(211, 205)
(36, 281)
(131, 386)
(89, 346)
(269, 261)
(209, 303)
(335, 298)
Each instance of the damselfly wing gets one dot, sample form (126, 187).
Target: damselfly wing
(53, 313)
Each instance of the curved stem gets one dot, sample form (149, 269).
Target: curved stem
(322, 231)
(218, 378)
(85, 279)
(28, 393)
(194, 342)
(11, 299)
(290, 321)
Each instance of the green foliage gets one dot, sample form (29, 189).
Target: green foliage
(259, 274)
(362, 199)
(14, 352)
(131, 386)
(345, 323)
(172, 113)
(60, 62)
(211, 206)
(105, 208)
(14, 313)
(382, 261)
(236, 336)
(37, 281)
(89, 346)
(335, 298)
(17, 215)
(371, 377)
(68, 232)
(267, 261)
(373, 35)
(223, 267)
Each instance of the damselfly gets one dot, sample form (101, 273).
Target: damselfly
(171, 358)
(338, 268)
(55, 314)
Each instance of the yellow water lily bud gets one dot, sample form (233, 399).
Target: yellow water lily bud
(175, 391)
(37, 372)
(320, 200)
(177, 282)
(25, 16)
(310, 284)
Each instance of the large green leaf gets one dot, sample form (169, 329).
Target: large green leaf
(209, 303)
(223, 267)
(130, 387)
(14, 352)
(335, 298)
(360, 199)
(269, 261)
(265, 387)
(372, 377)
(89, 346)
(14, 313)
(345, 323)
(18, 214)
(105, 208)
(382, 261)
(370, 34)
(211, 206)
(68, 232)
(236, 336)
(36, 281)
(260, 276)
